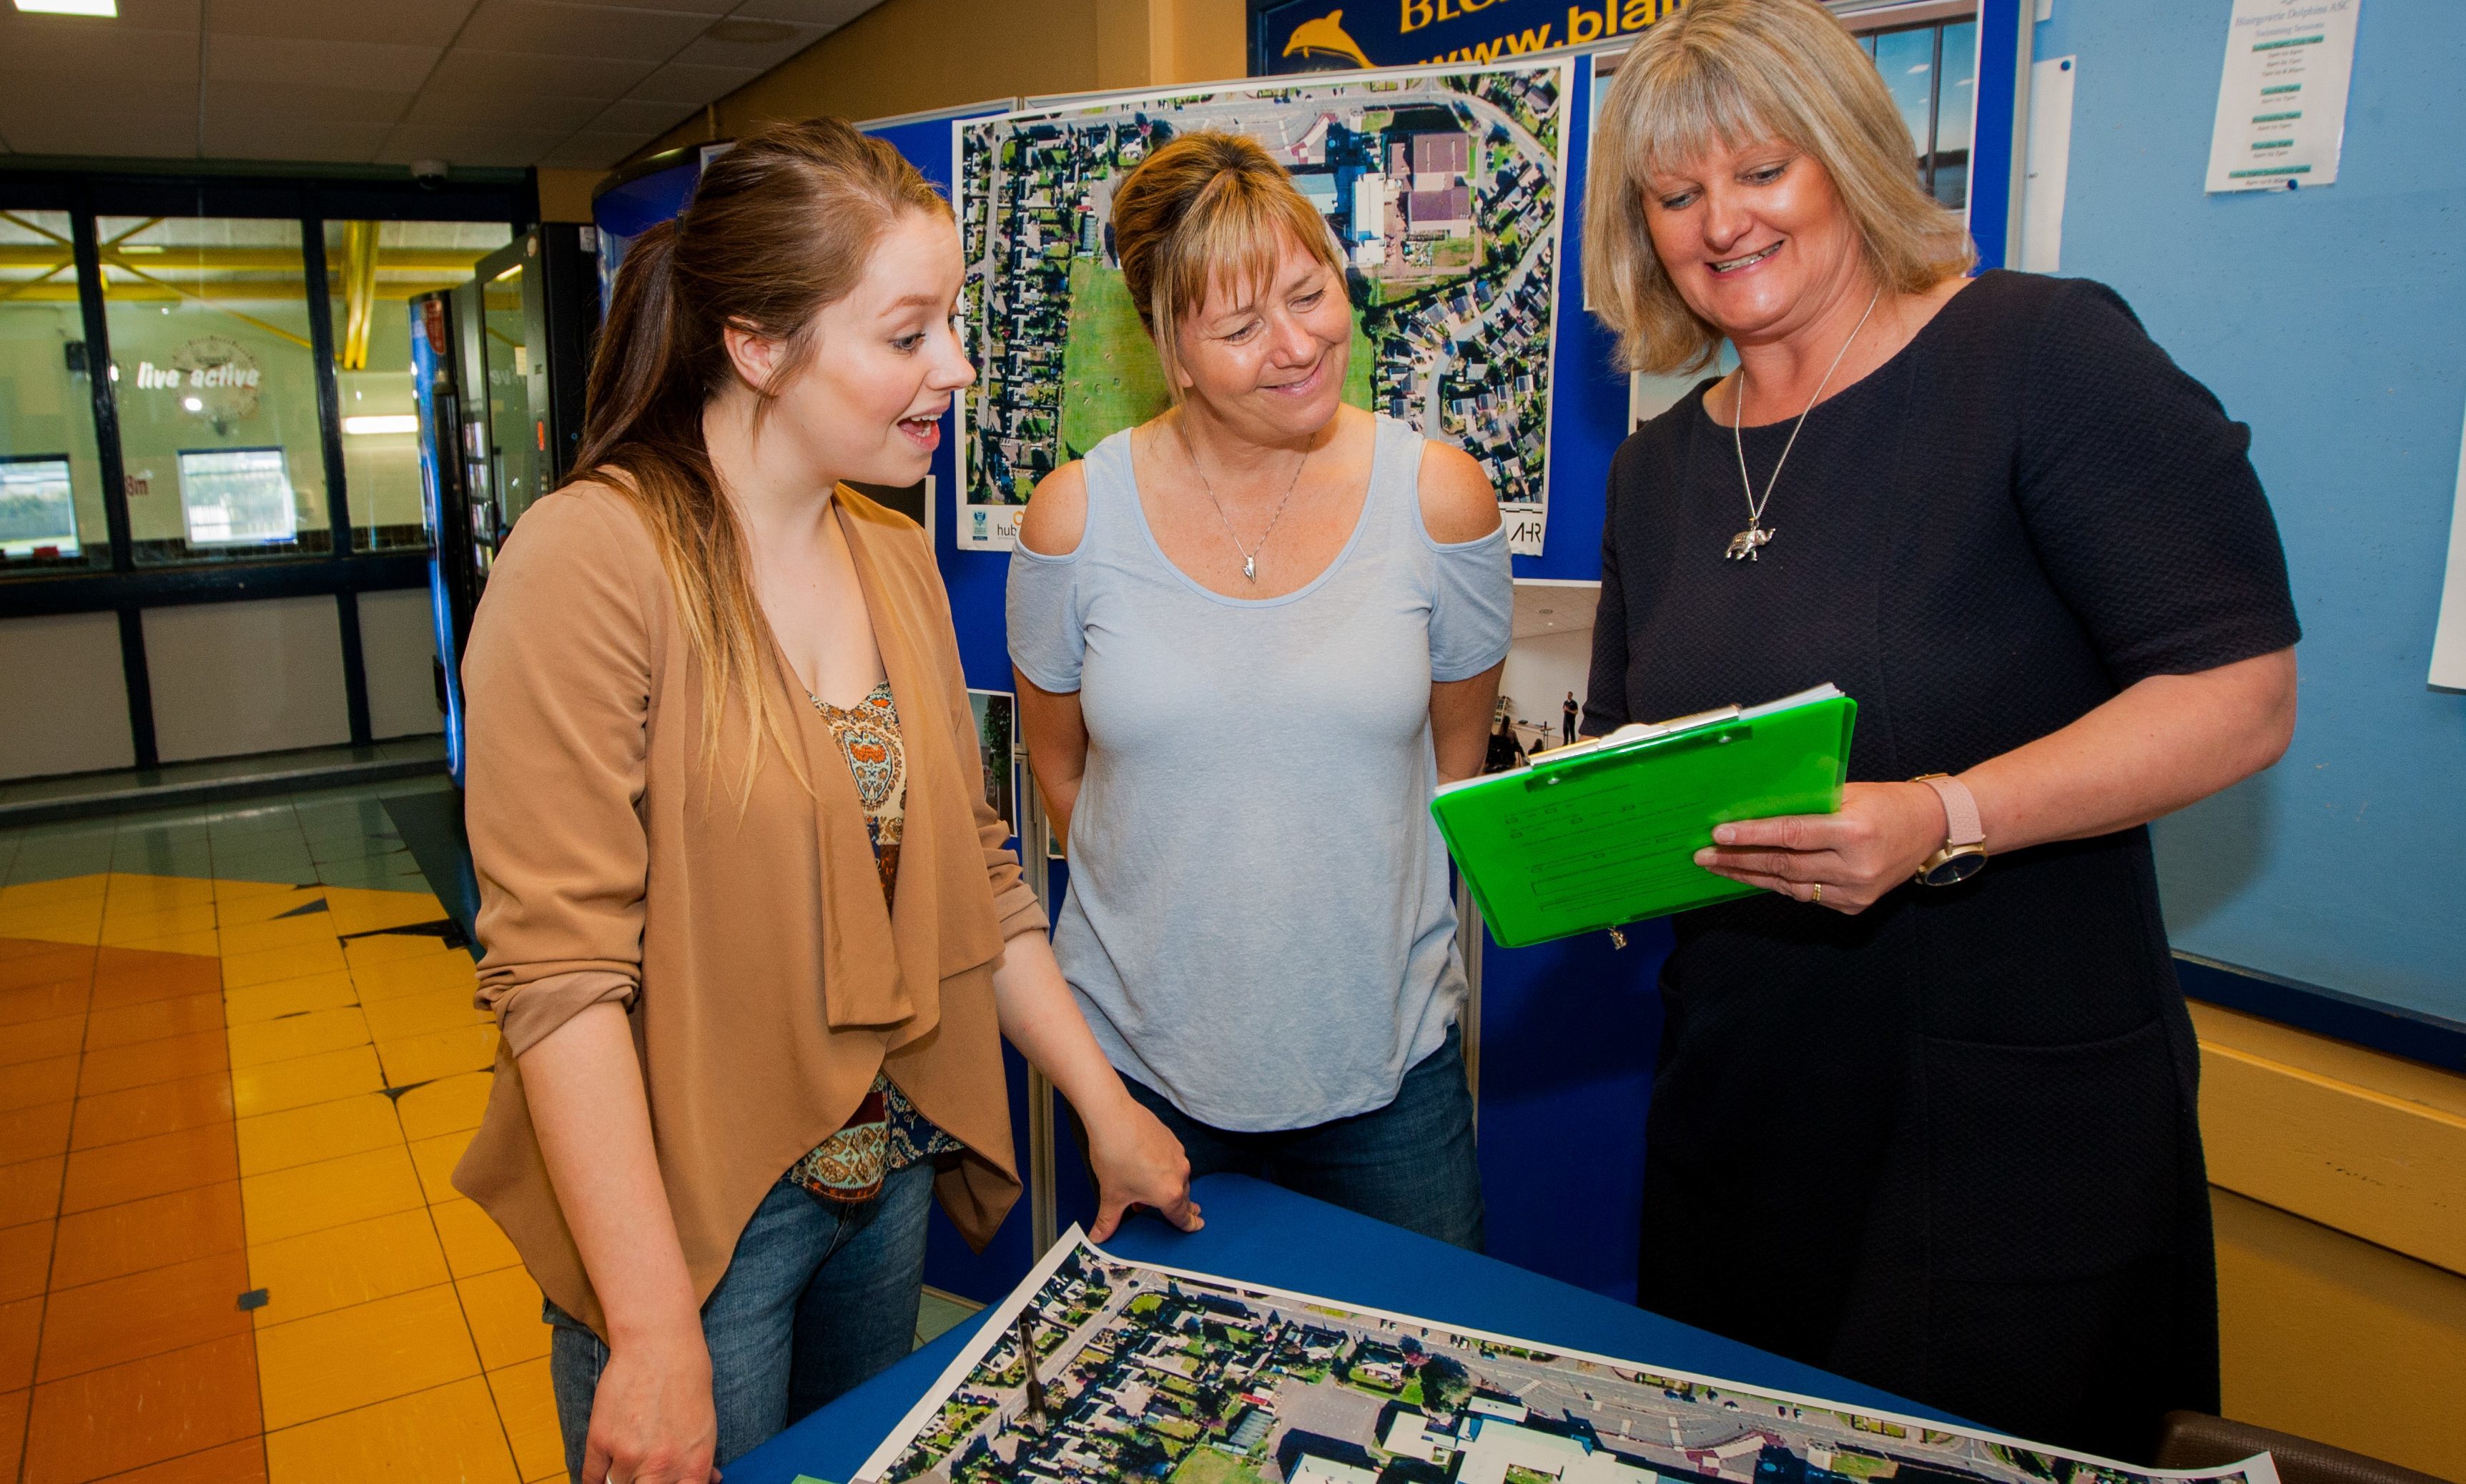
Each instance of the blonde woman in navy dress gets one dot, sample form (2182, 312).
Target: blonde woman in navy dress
(1925, 1111)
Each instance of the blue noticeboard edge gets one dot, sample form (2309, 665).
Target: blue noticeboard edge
(1588, 392)
(1261, 1234)
(1993, 193)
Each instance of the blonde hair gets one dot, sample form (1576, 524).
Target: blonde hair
(1207, 209)
(1732, 73)
(779, 228)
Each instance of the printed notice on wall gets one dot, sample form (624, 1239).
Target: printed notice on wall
(2448, 639)
(2282, 100)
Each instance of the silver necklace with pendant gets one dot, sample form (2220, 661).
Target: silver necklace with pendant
(1745, 544)
(1249, 555)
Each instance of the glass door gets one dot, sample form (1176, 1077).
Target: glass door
(512, 441)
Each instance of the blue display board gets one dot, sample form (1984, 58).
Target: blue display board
(977, 581)
(1588, 402)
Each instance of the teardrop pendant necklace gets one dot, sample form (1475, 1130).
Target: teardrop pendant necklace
(1249, 554)
(1745, 544)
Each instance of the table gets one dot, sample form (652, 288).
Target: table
(1261, 1235)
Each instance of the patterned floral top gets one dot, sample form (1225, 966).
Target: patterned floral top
(886, 1132)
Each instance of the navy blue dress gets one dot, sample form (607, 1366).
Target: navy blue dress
(1949, 1147)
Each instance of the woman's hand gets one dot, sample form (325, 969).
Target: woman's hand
(651, 1420)
(1845, 861)
(1138, 1162)
(1137, 1159)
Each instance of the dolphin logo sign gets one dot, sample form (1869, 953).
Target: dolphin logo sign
(1325, 37)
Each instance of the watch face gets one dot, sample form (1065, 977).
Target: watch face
(1956, 868)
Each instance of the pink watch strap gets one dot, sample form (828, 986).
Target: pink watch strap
(1962, 826)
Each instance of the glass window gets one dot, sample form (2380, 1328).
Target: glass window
(217, 387)
(1955, 108)
(374, 269)
(1932, 70)
(50, 481)
(1907, 60)
(513, 437)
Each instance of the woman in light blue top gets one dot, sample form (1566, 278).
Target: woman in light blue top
(1253, 636)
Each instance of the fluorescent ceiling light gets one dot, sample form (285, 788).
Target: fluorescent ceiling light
(392, 422)
(108, 10)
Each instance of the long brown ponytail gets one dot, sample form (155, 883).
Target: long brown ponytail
(781, 227)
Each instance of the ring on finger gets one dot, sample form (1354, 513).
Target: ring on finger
(1817, 896)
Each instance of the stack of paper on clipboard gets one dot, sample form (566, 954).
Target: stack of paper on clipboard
(1605, 831)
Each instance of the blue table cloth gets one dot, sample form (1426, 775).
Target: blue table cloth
(1259, 1233)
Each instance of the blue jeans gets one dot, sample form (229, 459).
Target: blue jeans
(1410, 1163)
(817, 1298)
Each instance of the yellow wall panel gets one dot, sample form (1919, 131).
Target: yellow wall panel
(2366, 1143)
(2333, 1338)
(909, 56)
(2338, 1177)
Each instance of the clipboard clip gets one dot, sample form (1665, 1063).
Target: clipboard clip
(1636, 732)
(1554, 767)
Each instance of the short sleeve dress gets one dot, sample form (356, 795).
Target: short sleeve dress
(1948, 1146)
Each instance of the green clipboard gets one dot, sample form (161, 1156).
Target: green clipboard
(1606, 833)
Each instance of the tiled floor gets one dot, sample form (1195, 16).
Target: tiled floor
(238, 1063)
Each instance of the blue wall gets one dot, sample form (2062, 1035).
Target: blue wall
(2333, 322)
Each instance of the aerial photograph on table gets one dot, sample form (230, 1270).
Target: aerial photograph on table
(1444, 190)
(1101, 1370)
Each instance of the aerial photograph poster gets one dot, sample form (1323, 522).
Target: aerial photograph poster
(1103, 1370)
(1444, 190)
(996, 715)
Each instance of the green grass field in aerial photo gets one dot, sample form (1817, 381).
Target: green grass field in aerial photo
(1110, 379)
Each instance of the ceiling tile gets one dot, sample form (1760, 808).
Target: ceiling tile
(691, 87)
(632, 116)
(465, 145)
(591, 152)
(469, 70)
(396, 22)
(275, 138)
(581, 30)
(24, 97)
(504, 110)
(113, 59)
(96, 131)
(305, 104)
(713, 52)
(829, 15)
(234, 57)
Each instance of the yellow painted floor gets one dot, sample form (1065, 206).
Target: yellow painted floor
(238, 1063)
(239, 1060)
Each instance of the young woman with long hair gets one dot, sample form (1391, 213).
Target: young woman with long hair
(750, 930)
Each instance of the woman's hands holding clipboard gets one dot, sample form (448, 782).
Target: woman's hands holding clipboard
(1845, 861)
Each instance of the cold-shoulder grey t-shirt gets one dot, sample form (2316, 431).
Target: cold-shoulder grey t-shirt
(1259, 923)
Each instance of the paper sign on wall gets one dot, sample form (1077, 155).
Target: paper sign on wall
(2448, 639)
(2050, 164)
(2282, 99)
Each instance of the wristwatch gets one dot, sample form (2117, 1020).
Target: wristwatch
(1964, 839)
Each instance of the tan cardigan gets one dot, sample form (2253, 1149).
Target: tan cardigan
(765, 981)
